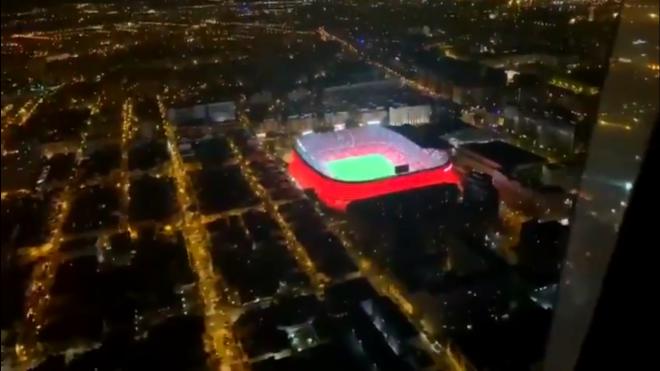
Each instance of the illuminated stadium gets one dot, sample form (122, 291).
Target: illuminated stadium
(365, 162)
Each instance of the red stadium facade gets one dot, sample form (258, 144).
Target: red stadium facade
(314, 150)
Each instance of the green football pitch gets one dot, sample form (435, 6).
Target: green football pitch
(360, 168)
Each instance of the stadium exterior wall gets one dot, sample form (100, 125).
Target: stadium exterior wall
(338, 194)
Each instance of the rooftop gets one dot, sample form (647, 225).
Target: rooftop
(507, 156)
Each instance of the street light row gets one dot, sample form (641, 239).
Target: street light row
(318, 279)
(223, 347)
(43, 274)
(127, 131)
